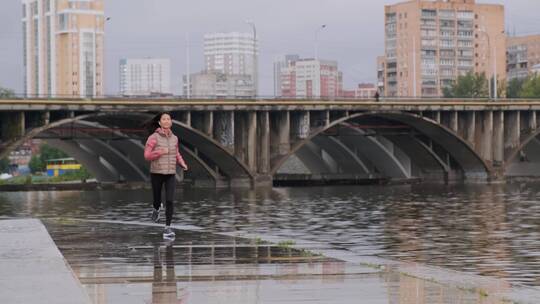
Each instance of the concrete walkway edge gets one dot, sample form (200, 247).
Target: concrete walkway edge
(32, 269)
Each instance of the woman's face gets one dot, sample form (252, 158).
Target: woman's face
(165, 121)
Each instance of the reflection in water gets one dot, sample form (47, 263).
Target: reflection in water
(403, 289)
(125, 263)
(164, 287)
(491, 230)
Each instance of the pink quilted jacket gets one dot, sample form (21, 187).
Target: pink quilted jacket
(163, 163)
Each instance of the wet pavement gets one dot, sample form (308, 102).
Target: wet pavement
(488, 230)
(32, 270)
(440, 244)
(122, 262)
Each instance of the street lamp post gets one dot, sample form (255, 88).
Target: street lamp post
(255, 64)
(494, 62)
(490, 59)
(319, 29)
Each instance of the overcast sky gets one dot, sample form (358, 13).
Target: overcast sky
(157, 28)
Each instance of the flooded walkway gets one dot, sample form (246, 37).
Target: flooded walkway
(121, 262)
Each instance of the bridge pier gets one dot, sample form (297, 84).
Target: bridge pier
(453, 121)
(528, 121)
(208, 123)
(280, 134)
(224, 129)
(300, 125)
(240, 136)
(185, 117)
(512, 132)
(251, 123)
(498, 138)
(13, 125)
(245, 143)
(470, 127)
(484, 135)
(263, 137)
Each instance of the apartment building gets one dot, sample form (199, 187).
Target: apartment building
(428, 44)
(308, 78)
(145, 76)
(63, 48)
(523, 54)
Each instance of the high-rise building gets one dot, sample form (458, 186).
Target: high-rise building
(381, 73)
(63, 47)
(428, 44)
(145, 76)
(362, 91)
(280, 66)
(232, 54)
(218, 85)
(308, 78)
(365, 90)
(523, 53)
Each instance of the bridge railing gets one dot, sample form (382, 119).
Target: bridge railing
(165, 97)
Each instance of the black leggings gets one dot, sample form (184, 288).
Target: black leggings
(157, 184)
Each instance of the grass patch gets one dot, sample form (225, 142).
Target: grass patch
(286, 244)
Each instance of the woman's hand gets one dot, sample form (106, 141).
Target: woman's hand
(185, 167)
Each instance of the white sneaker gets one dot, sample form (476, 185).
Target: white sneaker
(156, 215)
(168, 233)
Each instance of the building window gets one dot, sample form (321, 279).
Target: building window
(49, 56)
(465, 43)
(448, 53)
(34, 9)
(465, 15)
(447, 14)
(63, 21)
(426, 13)
(24, 43)
(447, 33)
(449, 62)
(429, 53)
(465, 34)
(36, 56)
(447, 43)
(88, 64)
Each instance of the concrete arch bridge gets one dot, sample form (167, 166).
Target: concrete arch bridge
(248, 143)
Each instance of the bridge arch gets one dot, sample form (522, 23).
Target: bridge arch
(513, 153)
(372, 149)
(472, 165)
(529, 166)
(225, 161)
(199, 170)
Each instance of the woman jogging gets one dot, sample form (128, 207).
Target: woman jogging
(161, 150)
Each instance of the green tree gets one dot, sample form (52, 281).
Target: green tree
(502, 87)
(468, 86)
(36, 165)
(6, 93)
(47, 152)
(4, 164)
(513, 90)
(531, 88)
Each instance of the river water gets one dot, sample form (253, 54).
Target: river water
(491, 230)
